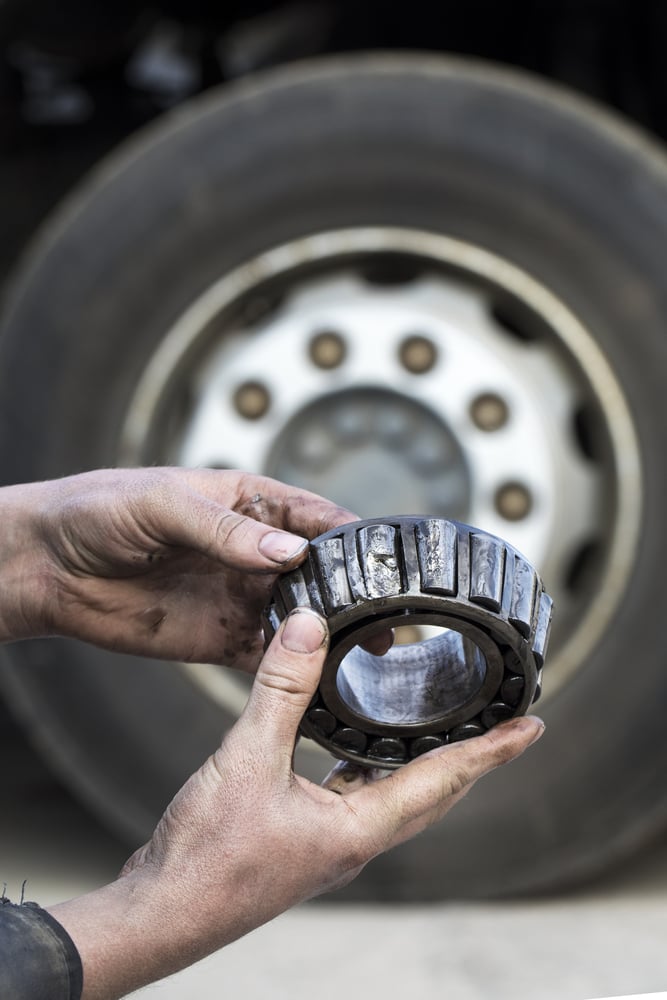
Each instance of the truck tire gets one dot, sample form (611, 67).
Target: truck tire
(420, 285)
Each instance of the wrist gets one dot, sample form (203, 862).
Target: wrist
(135, 931)
(27, 580)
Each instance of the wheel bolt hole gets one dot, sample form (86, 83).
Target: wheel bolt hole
(418, 354)
(587, 433)
(515, 321)
(489, 412)
(327, 349)
(257, 308)
(583, 564)
(513, 501)
(252, 400)
(391, 270)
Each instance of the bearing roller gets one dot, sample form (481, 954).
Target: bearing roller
(489, 616)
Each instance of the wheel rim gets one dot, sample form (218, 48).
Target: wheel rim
(352, 354)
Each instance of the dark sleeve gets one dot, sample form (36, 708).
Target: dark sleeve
(38, 959)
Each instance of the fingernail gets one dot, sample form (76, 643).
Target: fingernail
(281, 547)
(522, 722)
(541, 729)
(304, 631)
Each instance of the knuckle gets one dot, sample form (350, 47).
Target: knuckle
(356, 853)
(230, 527)
(455, 780)
(282, 678)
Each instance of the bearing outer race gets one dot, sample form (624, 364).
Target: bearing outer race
(418, 569)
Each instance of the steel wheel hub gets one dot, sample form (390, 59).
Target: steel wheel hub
(402, 372)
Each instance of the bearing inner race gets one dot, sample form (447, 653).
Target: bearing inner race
(418, 687)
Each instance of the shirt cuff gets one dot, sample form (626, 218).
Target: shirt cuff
(37, 956)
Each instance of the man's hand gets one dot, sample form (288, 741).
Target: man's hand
(246, 838)
(169, 563)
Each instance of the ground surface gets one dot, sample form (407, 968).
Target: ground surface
(605, 940)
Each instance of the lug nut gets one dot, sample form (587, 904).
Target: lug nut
(513, 501)
(327, 349)
(418, 354)
(489, 411)
(252, 400)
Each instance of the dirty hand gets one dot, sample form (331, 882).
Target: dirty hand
(246, 838)
(163, 562)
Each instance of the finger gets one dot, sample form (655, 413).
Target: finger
(254, 546)
(380, 643)
(414, 796)
(188, 518)
(269, 518)
(346, 777)
(447, 771)
(298, 511)
(285, 683)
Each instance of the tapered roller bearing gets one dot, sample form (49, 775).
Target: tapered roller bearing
(489, 615)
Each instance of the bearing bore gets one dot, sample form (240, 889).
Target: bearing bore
(484, 601)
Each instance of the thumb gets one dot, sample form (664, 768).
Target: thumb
(203, 524)
(286, 681)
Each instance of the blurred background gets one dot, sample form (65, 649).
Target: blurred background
(410, 258)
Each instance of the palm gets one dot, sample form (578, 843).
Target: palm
(129, 580)
(187, 607)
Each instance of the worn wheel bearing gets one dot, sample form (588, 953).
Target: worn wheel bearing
(482, 667)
